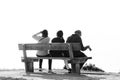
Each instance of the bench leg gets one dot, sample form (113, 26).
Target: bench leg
(73, 68)
(77, 68)
(29, 67)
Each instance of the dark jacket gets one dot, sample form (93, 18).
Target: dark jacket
(74, 38)
(58, 53)
(58, 40)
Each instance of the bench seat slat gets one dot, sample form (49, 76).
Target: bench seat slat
(62, 58)
(57, 58)
(48, 58)
(50, 46)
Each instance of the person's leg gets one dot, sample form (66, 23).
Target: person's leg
(51, 54)
(67, 66)
(50, 64)
(80, 54)
(81, 64)
(40, 64)
(65, 54)
(49, 61)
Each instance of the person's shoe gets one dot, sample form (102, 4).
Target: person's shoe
(69, 70)
(50, 71)
(64, 67)
(40, 69)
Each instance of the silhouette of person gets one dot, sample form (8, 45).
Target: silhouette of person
(42, 39)
(76, 38)
(59, 53)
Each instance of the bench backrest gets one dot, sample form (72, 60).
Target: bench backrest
(51, 46)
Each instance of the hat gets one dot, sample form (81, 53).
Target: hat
(77, 32)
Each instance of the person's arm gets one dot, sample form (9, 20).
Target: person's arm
(84, 48)
(68, 40)
(87, 47)
(63, 40)
(53, 40)
(36, 37)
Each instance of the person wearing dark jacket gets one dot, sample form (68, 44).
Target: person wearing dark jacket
(53, 53)
(76, 38)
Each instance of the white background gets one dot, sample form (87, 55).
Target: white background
(99, 21)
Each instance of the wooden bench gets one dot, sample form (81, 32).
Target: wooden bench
(29, 61)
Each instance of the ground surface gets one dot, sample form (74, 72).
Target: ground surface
(58, 75)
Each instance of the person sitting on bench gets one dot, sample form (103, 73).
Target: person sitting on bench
(76, 38)
(42, 39)
(53, 53)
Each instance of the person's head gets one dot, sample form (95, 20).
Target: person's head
(60, 33)
(44, 33)
(78, 32)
